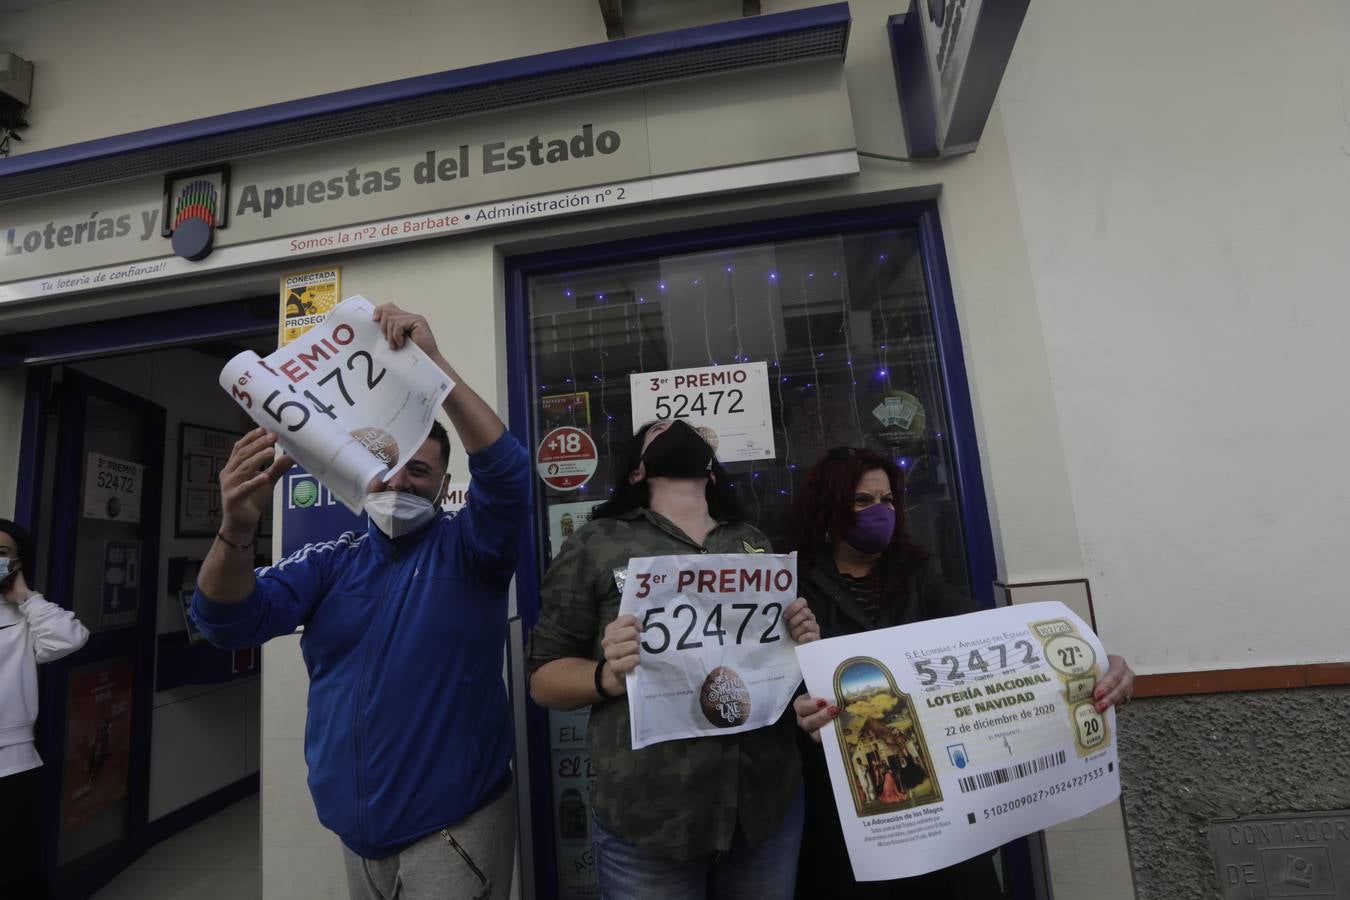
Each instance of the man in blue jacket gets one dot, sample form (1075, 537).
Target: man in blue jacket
(409, 734)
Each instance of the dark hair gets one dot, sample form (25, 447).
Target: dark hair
(442, 437)
(723, 504)
(24, 541)
(824, 507)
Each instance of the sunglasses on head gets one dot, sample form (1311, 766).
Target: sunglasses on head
(843, 452)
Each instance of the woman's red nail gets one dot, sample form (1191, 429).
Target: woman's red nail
(1101, 707)
(834, 711)
(820, 704)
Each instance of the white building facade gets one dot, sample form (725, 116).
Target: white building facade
(1115, 319)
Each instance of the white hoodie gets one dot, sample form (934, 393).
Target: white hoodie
(33, 632)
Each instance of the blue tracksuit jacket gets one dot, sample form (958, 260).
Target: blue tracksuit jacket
(409, 729)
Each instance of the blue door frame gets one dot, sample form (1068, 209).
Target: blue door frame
(921, 219)
(136, 643)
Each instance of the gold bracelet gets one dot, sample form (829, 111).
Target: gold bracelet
(242, 548)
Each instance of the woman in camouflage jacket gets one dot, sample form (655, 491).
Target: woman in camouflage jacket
(715, 816)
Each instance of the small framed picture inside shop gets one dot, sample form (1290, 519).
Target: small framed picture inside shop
(202, 452)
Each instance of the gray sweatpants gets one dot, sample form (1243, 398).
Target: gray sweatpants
(472, 860)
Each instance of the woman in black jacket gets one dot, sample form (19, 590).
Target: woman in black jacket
(859, 570)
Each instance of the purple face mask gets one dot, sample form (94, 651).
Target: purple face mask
(871, 529)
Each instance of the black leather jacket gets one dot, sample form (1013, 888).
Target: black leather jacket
(927, 595)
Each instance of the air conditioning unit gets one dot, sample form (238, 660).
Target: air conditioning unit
(16, 88)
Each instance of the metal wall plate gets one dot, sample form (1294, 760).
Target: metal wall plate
(1296, 855)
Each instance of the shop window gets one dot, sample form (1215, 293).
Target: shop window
(842, 323)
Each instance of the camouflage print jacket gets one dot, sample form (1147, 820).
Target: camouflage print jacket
(678, 799)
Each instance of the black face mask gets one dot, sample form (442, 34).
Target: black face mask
(678, 452)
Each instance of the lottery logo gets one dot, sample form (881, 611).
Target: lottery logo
(379, 442)
(304, 493)
(724, 698)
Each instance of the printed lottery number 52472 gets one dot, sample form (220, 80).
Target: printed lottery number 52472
(703, 403)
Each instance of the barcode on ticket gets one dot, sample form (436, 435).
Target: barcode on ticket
(1003, 776)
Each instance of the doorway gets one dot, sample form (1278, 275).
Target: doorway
(147, 729)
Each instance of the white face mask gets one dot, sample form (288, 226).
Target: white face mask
(396, 513)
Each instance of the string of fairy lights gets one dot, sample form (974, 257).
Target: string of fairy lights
(754, 301)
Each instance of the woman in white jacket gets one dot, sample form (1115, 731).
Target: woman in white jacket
(32, 631)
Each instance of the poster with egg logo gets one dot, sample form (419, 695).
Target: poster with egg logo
(716, 656)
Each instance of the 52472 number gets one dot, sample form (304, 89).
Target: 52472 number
(687, 616)
(951, 666)
(682, 406)
(114, 482)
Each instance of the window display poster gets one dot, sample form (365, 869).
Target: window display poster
(563, 521)
(729, 405)
(121, 584)
(557, 410)
(573, 779)
(98, 741)
(112, 488)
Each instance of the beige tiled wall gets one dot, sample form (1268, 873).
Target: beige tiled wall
(301, 860)
(1089, 859)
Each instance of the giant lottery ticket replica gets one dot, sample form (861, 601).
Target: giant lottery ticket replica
(958, 735)
(343, 404)
(716, 654)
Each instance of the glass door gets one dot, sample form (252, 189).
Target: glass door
(101, 542)
(799, 345)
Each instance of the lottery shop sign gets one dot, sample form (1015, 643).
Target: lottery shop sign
(566, 458)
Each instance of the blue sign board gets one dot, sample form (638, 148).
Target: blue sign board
(949, 58)
(311, 514)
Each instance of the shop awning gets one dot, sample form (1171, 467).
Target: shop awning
(815, 33)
